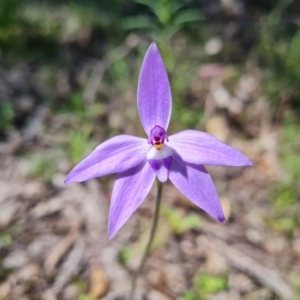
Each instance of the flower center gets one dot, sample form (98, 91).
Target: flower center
(157, 137)
(159, 156)
(160, 161)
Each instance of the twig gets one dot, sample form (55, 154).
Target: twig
(263, 275)
(71, 266)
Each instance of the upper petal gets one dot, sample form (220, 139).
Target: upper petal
(130, 189)
(115, 155)
(198, 147)
(154, 93)
(195, 183)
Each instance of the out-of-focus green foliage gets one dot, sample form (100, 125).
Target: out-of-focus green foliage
(43, 166)
(181, 224)
(85, 297)
(125, 255)
(189, 295)
(278, 48)
(11, 230)
(209, 284)
(285, 195)
(205, 285)
(80, 145)
(7, 236)
(76, 103)
(8, 14)
(5, 239)
(298, 286)
(167, 17)
(290, 146)
(7, 114)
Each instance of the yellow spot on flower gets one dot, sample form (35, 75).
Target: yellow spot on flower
(158, 146)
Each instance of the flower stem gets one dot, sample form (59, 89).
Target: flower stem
(153, 229)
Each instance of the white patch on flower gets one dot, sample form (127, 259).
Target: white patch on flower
(156, 154)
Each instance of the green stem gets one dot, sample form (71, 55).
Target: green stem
(153, 229)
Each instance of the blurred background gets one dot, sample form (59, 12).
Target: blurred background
(68, 80)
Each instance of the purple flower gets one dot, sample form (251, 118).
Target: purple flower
(137, 161)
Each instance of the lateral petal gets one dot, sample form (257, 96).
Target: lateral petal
(195, 183)
(115, 155)
(197, 147)
(130, 189)
(154, 97)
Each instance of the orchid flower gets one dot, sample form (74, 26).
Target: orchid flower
(138, 161)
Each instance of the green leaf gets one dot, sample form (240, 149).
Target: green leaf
(188, 15)
(7, 114)
(159, 9)
(153, 5)
(189, 295)
(140, 22)
(85, 297)
(125, 255)
(284, 224)
(190, 222)
(181, 224)
(293, 57)
(5, 239)
(170, 30)
(209, 284)
(174, 6)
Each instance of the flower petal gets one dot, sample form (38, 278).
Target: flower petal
(161, 168)
(198, 147)
(195, 183)
(160, 161)
(130, 189)
(154, 93)
(115, 155)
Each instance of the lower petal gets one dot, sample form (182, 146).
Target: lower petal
(195, 183)
(160, 162)
(161, 168)
(130, 189)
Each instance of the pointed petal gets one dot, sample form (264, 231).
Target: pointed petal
(154, 93)
(198, 147)
(130, 189)
(195, 183)
(115, 155)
